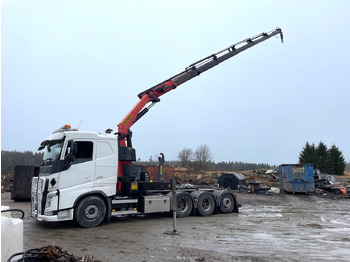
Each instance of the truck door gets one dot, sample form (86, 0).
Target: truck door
(79, 177)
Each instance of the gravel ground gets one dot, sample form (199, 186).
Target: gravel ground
(267, 228)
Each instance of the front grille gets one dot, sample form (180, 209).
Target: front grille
(39, 193)
(34, 197)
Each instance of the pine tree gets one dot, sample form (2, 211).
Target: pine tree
(329, 161)
(322, 157)
(308, 155)
(336, 161)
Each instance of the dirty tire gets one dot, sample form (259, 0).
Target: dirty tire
(226, 203)
(184, 205)
(90, 211)
(206, 205)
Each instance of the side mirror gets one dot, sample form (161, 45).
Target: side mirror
(73, 150)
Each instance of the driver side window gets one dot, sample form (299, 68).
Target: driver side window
(84, 151)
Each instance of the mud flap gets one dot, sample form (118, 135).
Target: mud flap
(109, 210)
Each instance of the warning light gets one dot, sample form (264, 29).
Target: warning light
(63, 128)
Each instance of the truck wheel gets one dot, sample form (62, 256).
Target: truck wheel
(90, 211)
(226, 203)
(206, 205)
(184, 204)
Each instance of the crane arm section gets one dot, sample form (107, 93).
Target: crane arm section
(152, 94)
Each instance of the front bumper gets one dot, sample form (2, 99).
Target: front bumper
(62, 215)
(45, 203)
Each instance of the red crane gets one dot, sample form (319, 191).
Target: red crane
(151, 96)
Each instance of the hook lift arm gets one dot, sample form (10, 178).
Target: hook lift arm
(152, 94)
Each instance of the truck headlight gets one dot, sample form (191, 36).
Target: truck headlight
(50, 199)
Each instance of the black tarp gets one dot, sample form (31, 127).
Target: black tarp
(231, 180)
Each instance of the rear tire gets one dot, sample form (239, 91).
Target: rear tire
(206, 205)
(184, 204)
(226, 203)
(90, 211)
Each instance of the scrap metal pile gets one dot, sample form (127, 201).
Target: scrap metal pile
(330, 185)
(49, 253)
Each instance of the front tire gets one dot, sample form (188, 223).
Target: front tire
(90, 211)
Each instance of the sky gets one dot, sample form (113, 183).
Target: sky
(84, 62)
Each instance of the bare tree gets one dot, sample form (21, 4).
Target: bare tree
(203, 156)
(185, 156)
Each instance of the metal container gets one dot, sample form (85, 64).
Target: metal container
(297, 178)
(154, 204)
(22, 182)
(168, 172)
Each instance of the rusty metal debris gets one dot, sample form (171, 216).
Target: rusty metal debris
(47, 253)
(50, 253)
(331, 186)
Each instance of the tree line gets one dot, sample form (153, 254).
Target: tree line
(210, 165)
(327, 160)
(202, 159)
(9, 159)
(347, 167)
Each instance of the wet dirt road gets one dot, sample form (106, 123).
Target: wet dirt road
(268, 228)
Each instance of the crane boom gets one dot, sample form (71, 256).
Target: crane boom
(152, 94)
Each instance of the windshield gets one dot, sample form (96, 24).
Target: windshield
(52, 150)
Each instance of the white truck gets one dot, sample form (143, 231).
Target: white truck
(89, 176)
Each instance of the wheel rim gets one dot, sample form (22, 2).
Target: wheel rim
(182, 205)
(227, 203)
(91, 212)
(206, 204)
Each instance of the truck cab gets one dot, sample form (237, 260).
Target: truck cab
(75, 164)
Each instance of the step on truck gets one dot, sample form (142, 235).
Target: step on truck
(90, 176)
